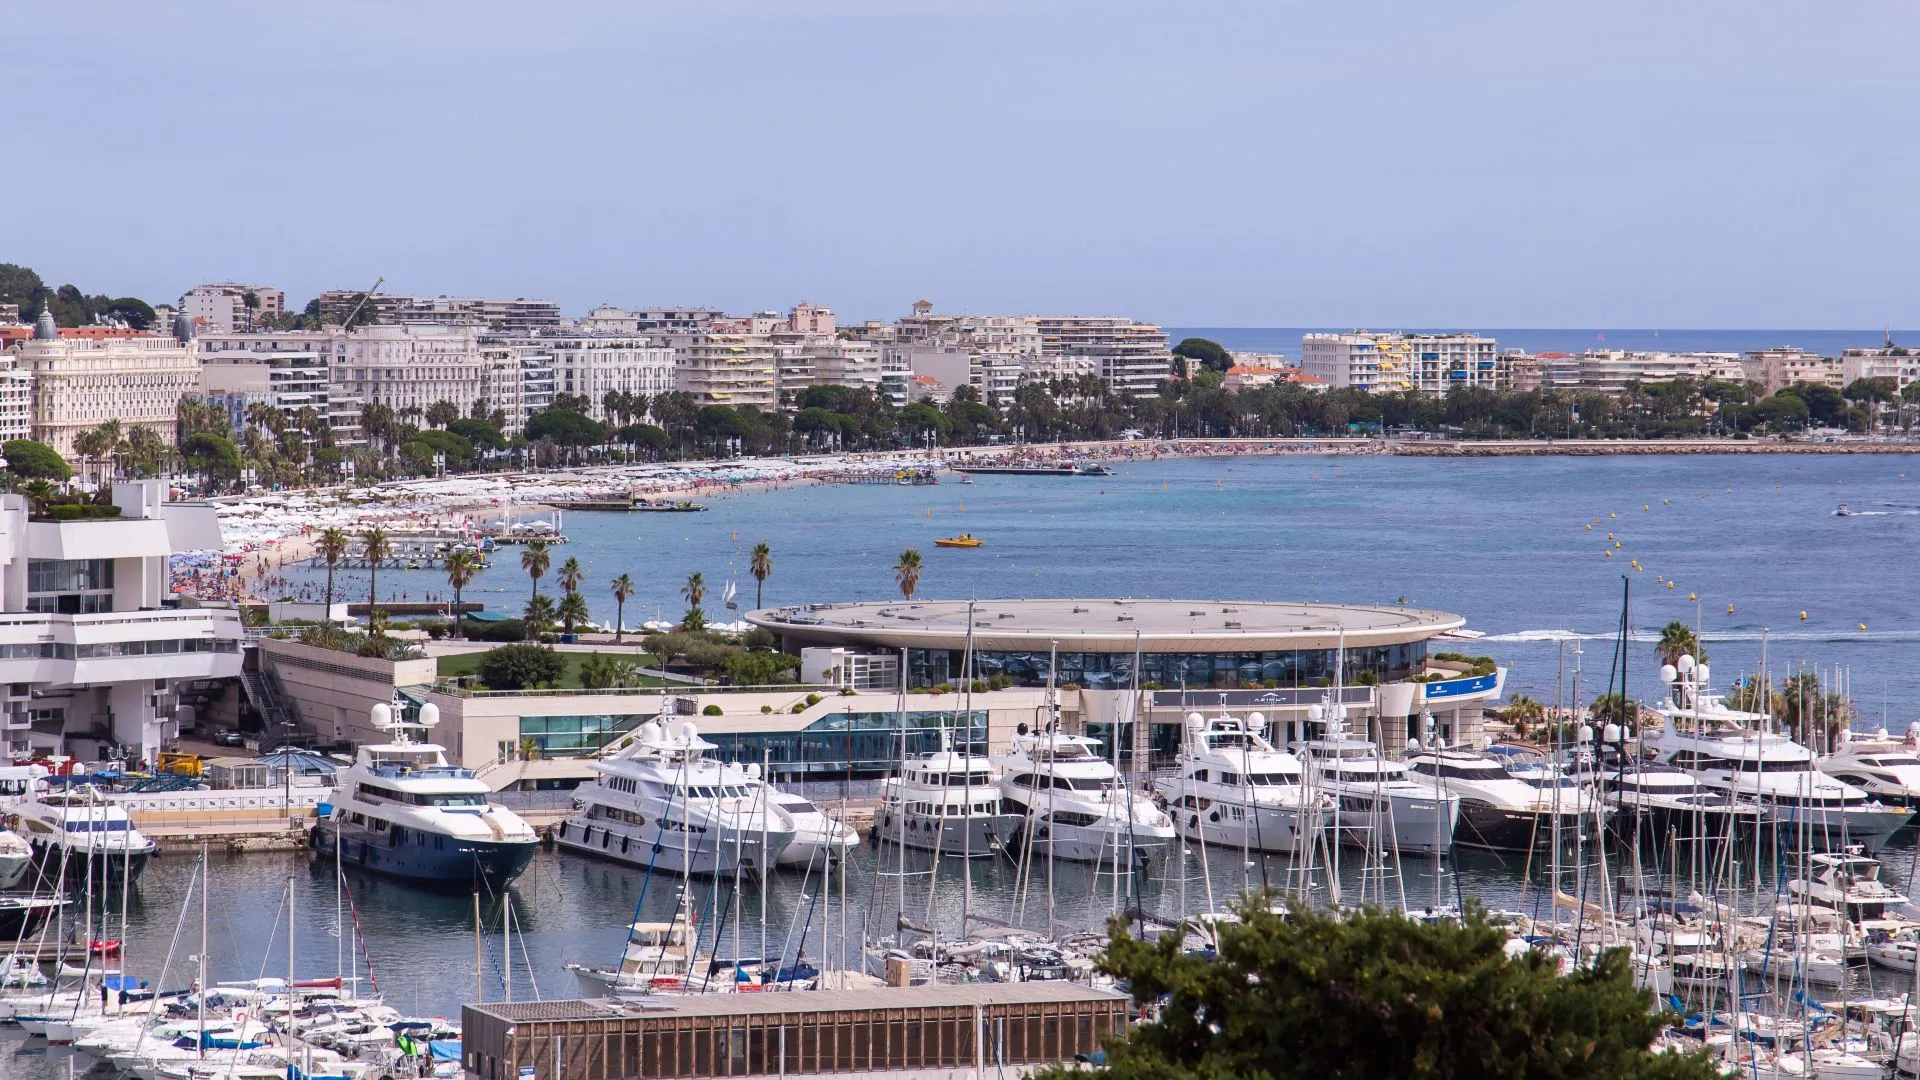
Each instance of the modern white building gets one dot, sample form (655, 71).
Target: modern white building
(16, 398)
(224, 307)
(413, 366)
(595, 365)
(79, 383)
(517, 316)
(235, 379)
(1388, 362)
(1887, 362)
(93, 648)
(734, 367)
(1131, 357)
(844, 362)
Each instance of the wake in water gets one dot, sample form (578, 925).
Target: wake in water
(1526, 637)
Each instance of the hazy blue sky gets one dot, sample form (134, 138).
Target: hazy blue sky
(1702, 164)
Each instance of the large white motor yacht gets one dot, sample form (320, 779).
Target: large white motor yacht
(1736, 753)
(78, 829)
(1667, 804)
(1878, 765)
(1072, 802)
(1232, 788)
(660, 801)
(947, 802)
(1508, 809)
(818, 837)
(1380, 804)
(404, 811)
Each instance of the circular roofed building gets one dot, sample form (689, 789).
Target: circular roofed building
(1278, 656)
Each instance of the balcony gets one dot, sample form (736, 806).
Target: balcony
(119, 646)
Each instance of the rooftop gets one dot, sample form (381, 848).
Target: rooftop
(1169, 625)
(807, 1001)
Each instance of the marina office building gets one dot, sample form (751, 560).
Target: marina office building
(868, 668)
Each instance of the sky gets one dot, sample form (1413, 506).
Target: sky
(1467, 164)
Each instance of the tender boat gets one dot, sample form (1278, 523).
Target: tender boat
(1073, 803)
(1848, 884)
(1232, 788)
(947, 802)
(403, 811)
(816, 834)
(964, 540)
(658, 957)
(661, 801)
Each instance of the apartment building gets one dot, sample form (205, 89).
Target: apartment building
(287, 381)
(608, 319)
(16, 398)
(844, 362)
(94, 648)
(1886, 362)
(229, 306)
(412, 366)
(1390, 362)
(727, 365)
(519, 381)
(79, 383)
(593, 365)
(1131, 357)
(1783, 366)
(517, 316)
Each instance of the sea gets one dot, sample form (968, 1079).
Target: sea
(1746, 547)
(1285, 341)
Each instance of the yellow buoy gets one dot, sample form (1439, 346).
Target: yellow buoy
(1609, 554)
(1803, 615)
(1693, 596)
(1647, 507)
(1616, 543)
(1589, 528)
(1729, 609)
(1669, 584)
(1611, 514)
(1863, 626)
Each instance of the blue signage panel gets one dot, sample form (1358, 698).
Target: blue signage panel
(1477, 684)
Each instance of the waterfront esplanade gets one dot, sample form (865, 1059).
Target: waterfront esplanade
(1091, 644)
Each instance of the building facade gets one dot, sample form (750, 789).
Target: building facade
(1395, 362)
(1130, 357)
(1887, 362)
(224, 308)
(1781, 367)
(733, 367)
(79, 384)
(595, 365)
(286, 381)
(517, 316)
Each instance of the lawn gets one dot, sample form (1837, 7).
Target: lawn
(468, 663)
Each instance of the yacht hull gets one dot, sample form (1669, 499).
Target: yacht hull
(1277, 829)
(1091, 843)
(446, 861)
(14, 866)
(979, 837)
(1683, 824)
(1418, 825)
(709, 850)
(105, 865)
(1831, 830)
(1494, 828)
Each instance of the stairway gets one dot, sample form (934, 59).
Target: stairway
(277, 715)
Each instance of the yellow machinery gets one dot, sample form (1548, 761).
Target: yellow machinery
(180, 764)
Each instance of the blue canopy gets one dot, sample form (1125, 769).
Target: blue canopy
(445, 1049)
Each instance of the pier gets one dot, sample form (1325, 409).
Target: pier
(883, 478)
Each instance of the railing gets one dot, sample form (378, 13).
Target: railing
(451, 688)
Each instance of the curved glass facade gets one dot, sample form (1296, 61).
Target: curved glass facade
(1114, 670)
(859, 745)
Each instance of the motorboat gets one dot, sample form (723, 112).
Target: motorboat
(1514, 807)
(1379, 802)
(964, 540)
(662, 801)
(1738, 754)
(1883, 768)
(1667, 804)
(82, 831)
(16, 858)
(947, 802)
(1232, 788)
(658, 956)
(1843, 510)
(403, 811)
(1848, 884)
(817, 835)
(1074, 804)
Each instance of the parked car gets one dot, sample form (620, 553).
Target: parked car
(229, 737)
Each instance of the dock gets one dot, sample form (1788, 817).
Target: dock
(883, 478)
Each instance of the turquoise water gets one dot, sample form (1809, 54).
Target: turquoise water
(1501, 541)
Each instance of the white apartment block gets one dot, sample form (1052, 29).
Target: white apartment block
(80, 384)
(93, 648)
(734, 368)
(595, 365)
(1780, 367)
(1131, 357)
(1388, 362)
(516, 316)
(408, 367)
(842, 362)
(16, 399)
(236, 379)
(519, 382)
(1883, 363)
(222, 308)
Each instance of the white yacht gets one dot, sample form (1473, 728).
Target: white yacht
(1848, 884)
(1506, 808)
(817, 835)
(1734, 753)
(404, 811)
(947, 802)
(1073, 802)
(1667, 804)
(658, 957)
(1885, 769)
(660, 801)
(16, 858)
(73, 827)
(1375, 794)
(1234, 789)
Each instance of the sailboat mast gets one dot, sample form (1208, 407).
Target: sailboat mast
(206, 881)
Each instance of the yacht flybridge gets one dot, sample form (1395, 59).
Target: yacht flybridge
(1072, 802)
(1739, 754)
(661, 801)
(404, 811)
(1234, 789)
(948, 802)
(1508, 809)
(1885, 769)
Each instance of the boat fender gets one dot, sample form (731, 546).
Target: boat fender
(624, 841)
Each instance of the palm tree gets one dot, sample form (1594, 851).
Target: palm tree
(622, 592)
(534, 559)
(1677, 639)
(332, 547)
(695, 590)
(376, 546)
(571, 574)
(760, 565)
(462, 567)
(572, 609)
(907, 572)
(538, 616)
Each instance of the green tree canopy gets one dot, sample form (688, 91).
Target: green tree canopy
(565, 427)
(479, 433)
(520, 666)
(1211, 353)
(1308, 996)
(35, 460)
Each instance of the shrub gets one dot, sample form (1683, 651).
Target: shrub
(799, 707)
(504, 630)
(847, 691)
(517, 667)
(711, 710)
(766, 708)
(758, 668)
(1070, 686)
(1002, 682)
(813, 699)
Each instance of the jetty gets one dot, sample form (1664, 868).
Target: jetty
(883, 477)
